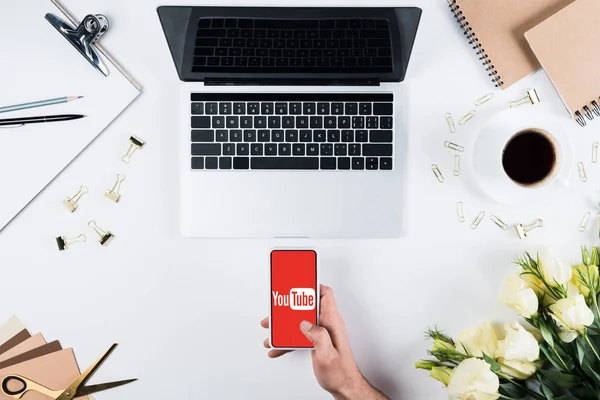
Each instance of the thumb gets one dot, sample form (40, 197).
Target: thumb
(317, 336)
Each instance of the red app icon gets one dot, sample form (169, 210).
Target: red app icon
(294, 297)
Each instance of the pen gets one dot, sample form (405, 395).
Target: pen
(41, 103)
(39, 120)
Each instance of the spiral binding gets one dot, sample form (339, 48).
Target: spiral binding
(587, 113)
(473, 40)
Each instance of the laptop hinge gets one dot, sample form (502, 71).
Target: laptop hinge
(290, 82)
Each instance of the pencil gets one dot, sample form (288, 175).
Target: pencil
(41, 103)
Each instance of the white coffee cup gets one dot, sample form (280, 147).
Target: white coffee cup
(487, 153)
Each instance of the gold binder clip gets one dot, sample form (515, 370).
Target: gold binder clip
(531, 98)
(65, 243)
(522, 231)
(105, 236)
(135, 145)
(113, 194)
(481, 101)
(70, 203)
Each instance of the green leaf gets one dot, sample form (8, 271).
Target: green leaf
(495, 367)
(590, 370)
(511, 390)
(583, 393)
(565, 381)
(546, 391)
(595, 256)
(551, 357)
(581, 349)
(546, 334)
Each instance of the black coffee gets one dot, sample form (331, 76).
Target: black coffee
(529, 157)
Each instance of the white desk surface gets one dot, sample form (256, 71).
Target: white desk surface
(186, 312)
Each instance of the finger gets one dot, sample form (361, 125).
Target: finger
(278, 353)
(319, 337)
(324, 290)
(265, 323)
(267, 344)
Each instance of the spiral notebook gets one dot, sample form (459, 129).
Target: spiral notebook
(496, 29)
(566, 45)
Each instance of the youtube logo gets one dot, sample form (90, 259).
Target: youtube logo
(299, 299)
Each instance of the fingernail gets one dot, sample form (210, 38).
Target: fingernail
(305, 325)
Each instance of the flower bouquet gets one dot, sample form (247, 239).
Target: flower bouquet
(556, 357)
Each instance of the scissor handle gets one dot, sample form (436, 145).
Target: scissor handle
(27, 385)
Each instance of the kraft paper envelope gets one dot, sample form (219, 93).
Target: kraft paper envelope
(56, 371)
(32, 343)
(14, 341)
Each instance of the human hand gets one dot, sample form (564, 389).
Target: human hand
(333, 361)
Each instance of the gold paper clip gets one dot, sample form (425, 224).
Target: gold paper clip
(70, 203)
(467, 117)
(532, 97)
(456, 165)
(454, 146)
(584, 222)
(438, 173)
(450, 122)
(460, 211)
(135, 145)
(499, 222)
(481, 101)
(582, 173)
(113, 194)
(522, 231)
(105, 236)
(478, 220)
(65, 243)
(595, 148)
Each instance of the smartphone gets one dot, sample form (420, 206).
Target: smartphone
(294, 297)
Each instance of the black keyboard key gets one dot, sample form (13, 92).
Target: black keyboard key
(241, 163)
(236, 135)
(200, 122)
(260, 122)
(381, 136)
(229, 149)
(302, 163)
(206, 149)
(239, 108)
(312, 149)
(354, 150)
(383, 109)
(272, 34)
(320, 136)
(341, 24)
(270, 149)
(301, 122)
(309, 108)
(347, 136)
(358, 163)
(374, 150)
(256, 149)
(386, 123)
(343, 122)
(278, 135)
(365, 108)
(372, 163)
(305, 136)
(281, 108)
(211, 163)
(262, 53)
(362, 136)
(326, 149)
(225, 162)
(385, 163)
(233, 122)
(344, 163)
(197, 162)
(213, 61)
(330, 122)
(243, 149)
(266, 108)
(264, 135)
(333, 136)
(231, 23)
(222, 135)
(218, 122)
(372, 122)
(235, 52)
(253, 108)
(298, 149)
(285, 149)
(358, 122)
(291, 135)
(295, 108)
(227, 61)
(328, 163)
(341, 149)
(288, 122)
(316, 122)
(204, 135)
(245, 122)
(221, 52)
(254, 62)
(351, 108)
(250, 135)
(323, 108)
(287, 34)
(197, 108)
(274, 122)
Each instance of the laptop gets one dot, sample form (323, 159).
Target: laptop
(291, 121)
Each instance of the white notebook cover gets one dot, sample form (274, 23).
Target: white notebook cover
(38, 64)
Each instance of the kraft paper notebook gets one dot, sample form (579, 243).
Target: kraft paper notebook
(496, 29)
(567, 46)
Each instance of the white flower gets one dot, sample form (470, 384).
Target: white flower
(473, 380)
(518, 352)
(572, 316)
(517, 295)
(476, 341)
(555, 271)
(584, 277)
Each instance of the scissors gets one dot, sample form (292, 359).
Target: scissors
(76, 389)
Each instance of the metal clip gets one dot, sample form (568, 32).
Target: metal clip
(454, 146)
(105, 236)
(595, 148)
(582, 174)
(450, 122)
(532, 97)
(522, 231)
(113, 194)
(70, 203)
(135, 145)
(478, 220)
(460, 211)
(456, 165)
(467, 117)
(481, 101)
(499, 222)
(584, 222)
(438, 173)
(65, 243)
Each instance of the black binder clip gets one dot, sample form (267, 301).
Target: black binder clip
(84, 36)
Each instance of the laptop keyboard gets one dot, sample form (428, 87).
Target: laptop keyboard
(331, 45)
(266, 131)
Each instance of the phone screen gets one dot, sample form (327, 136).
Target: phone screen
(294, 296)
